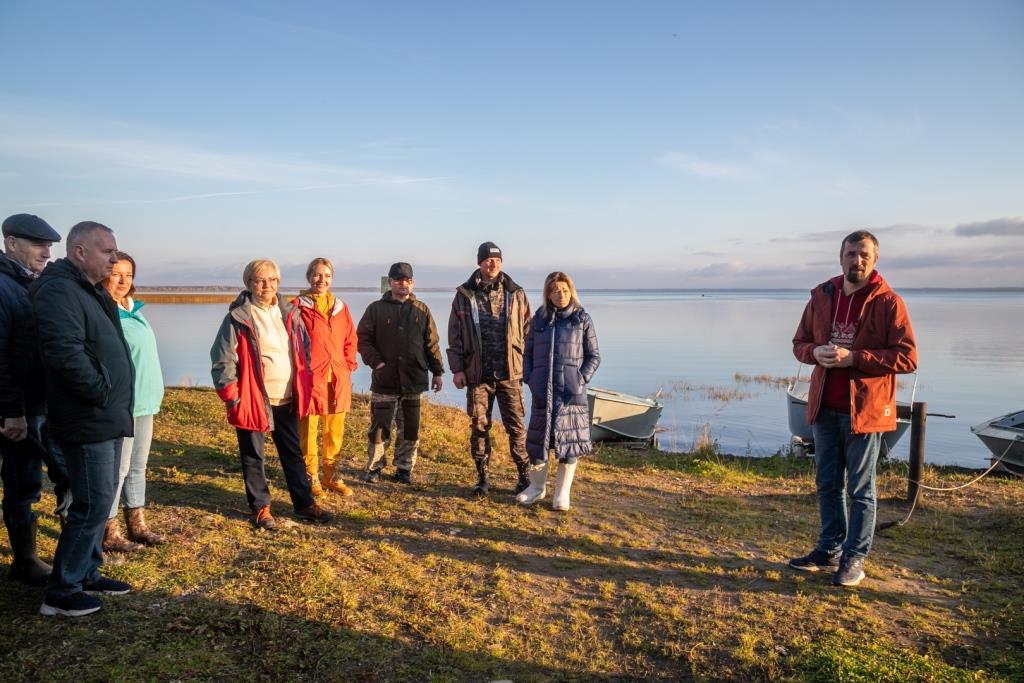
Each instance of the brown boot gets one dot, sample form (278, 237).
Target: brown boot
(313, 473)
(114, 542)
(135, 519)
(333, 482)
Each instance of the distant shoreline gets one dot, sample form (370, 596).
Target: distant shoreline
(219, 295)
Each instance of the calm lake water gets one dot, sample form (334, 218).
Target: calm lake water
(691, 345)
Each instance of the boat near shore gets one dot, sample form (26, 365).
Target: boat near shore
(615, 416)
(1004, 436)
(803, 437)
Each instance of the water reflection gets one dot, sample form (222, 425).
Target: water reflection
(650, 341)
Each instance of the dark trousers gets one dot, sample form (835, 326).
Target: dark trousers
(286, 438)
(92, 472)
(480, 400)
(22, 473)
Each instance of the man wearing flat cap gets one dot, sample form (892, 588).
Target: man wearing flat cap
(486, 332)
(24, 438)
(398, 340)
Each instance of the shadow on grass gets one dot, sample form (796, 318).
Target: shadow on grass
(153, 635)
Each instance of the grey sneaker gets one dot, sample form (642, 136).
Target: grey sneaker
(372, 476)
(851, 572)
(403, 476)
(815, 561)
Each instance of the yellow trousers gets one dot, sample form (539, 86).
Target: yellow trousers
(333, 437)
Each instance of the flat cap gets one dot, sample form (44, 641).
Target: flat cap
(400, 270)
(30, 227)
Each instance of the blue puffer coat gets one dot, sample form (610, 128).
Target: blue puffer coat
(560, 358)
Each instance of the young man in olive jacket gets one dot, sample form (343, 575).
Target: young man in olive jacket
(398, 340)
(856, 331)
(486, 331)
(89, 377)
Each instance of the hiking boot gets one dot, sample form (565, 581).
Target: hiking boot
(338, 487)
(403, 476)
(483, 484)
(524, 477)
(815, 560)
(263, 519)
(314, 513)
(332, 480)
(135, 520)
(372, 476)
(75, 605)
(851, 572)
(105, 586)
(114, 542)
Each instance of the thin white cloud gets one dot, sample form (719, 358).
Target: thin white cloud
(705, 168)
(307, 188)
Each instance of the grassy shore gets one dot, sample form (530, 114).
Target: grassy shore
(668, 567)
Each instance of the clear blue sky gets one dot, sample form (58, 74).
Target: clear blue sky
(681, 144)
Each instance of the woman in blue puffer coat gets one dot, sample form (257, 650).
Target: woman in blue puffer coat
(560, 358)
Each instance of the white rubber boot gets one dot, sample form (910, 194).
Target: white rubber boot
(563, 482)
(538, 485)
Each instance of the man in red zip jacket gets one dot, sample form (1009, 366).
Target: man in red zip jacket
(856, 332)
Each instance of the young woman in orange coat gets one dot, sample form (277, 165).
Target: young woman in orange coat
(332, 360)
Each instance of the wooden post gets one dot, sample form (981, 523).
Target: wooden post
(918, 418)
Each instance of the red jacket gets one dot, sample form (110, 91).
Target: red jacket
(333, 345)
(238, 366)
(883, 347)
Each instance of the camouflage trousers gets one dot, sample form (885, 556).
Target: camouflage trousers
(388, 413)
(480, 399)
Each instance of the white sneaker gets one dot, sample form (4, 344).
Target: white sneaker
(563, 483)
(538, 485)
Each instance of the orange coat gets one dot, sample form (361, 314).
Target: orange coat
(332, 354)
(883, 347)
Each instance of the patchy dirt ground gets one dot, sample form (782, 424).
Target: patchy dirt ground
(668, 567)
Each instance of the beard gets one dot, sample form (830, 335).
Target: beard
(856, 276)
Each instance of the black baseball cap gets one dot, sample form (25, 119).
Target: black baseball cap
(400, 270)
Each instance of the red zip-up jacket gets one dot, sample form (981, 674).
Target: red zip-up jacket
(238, 366)
(883, 347)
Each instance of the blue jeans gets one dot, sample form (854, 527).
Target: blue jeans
(838, 456)
(22, 473)
(131, 474)
(92, 469)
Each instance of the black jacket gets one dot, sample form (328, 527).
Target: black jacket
(86, 359)
(403, 336)
(21, 373)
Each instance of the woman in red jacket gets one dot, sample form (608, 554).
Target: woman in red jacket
(332, 360)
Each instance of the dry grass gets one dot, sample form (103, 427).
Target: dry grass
(668, 567)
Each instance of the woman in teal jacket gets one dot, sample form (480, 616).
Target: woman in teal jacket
(149, 392)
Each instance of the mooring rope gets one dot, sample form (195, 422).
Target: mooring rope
(913, 505)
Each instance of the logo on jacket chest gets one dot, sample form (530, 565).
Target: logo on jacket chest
(843, 334)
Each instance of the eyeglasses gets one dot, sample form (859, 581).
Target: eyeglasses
(264, 281)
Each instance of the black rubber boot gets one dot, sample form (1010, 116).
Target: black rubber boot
(26, 566)
(524, 477)
(483, 484)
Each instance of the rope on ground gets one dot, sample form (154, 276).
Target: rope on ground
(913, 504)
(972, 481)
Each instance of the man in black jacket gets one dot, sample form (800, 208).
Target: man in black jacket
(398, 340)
(89, 376)
(24, 443)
